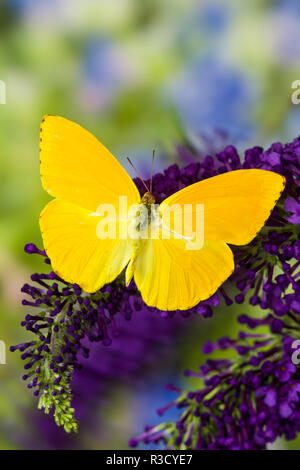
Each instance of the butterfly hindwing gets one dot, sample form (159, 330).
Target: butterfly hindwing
(77, 254)
(170, 277)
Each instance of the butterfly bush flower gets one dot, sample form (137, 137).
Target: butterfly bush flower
(128, 361)
(68, 319)
(293, 206)
(266, 274)
(245, 402)
(250, 399)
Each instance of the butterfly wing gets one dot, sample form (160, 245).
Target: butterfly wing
(82, 174)
(170, 277)
(77, 254)
(77, 168)
(236, 204)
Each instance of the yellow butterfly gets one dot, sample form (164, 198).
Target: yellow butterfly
(81, 173)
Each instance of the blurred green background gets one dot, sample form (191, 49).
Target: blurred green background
(139, 75)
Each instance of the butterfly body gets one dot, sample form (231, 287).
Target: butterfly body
(144, 227)
(173, 268)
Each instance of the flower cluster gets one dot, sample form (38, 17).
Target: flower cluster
(266, 272)
(128, 362)
(245, 402)
(68, 320)
(250, 398)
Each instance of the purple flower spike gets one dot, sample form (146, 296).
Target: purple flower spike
(293, 206)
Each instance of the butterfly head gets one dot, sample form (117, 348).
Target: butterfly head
(148, 199)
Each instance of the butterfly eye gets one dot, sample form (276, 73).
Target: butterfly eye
(148, 198)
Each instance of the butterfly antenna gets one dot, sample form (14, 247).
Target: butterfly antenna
(153, 157)
(138, 173)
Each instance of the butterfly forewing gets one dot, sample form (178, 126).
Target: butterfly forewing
(83, 175)
(236, 204)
